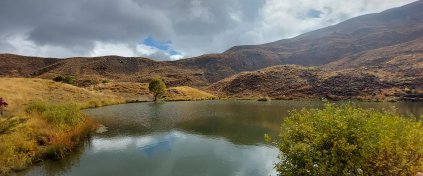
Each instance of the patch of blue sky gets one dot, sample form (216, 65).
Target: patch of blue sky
(160, 45)
(164, 46)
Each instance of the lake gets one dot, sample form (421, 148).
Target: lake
(187, 138)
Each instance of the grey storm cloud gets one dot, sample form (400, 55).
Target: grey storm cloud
(60, 28)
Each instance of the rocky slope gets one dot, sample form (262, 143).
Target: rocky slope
(293, 82)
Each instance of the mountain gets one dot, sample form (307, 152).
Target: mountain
(389, 42)
(320, 47)
(355, 35)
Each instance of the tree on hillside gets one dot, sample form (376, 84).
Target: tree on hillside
(157, 87)
(3, 105)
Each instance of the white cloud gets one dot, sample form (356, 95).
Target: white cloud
(120, 49)
(176, 57)
(281, 19)
(146, 50)
(19, 44)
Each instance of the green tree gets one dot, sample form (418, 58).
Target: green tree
(157, 87)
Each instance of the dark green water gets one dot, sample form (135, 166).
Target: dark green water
(186, 138)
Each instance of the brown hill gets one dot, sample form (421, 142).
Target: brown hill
(97, 69)
(293, 82)
(15, 65)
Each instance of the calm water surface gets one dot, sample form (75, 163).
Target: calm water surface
(187, 138)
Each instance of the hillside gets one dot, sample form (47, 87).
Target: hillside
(405, 58)
(298, 82)
(20, 91)
(22, 66)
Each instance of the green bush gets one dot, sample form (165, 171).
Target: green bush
(58, 78)
(346, 140)
(66, 115)
(69, 79)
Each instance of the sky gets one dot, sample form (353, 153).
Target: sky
(164, 29)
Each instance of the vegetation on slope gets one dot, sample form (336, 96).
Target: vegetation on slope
(345, 140)
(184, 93)
(139, 92)
(298, 82)
(33, 130)
(44, 131)
(20, 91)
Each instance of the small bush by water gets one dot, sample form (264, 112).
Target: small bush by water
(346, 140)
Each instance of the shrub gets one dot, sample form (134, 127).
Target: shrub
(58, 78)
(346, 140)
(69, 79)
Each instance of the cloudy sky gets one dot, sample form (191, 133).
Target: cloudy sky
(164, 29)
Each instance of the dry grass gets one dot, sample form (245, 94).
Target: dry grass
(130, 91)
(44, 130)
(184, 93)
(139, 92)
(20, 91)
(37, 139)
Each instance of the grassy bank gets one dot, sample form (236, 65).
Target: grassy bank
(33, 130)
(45, 132)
